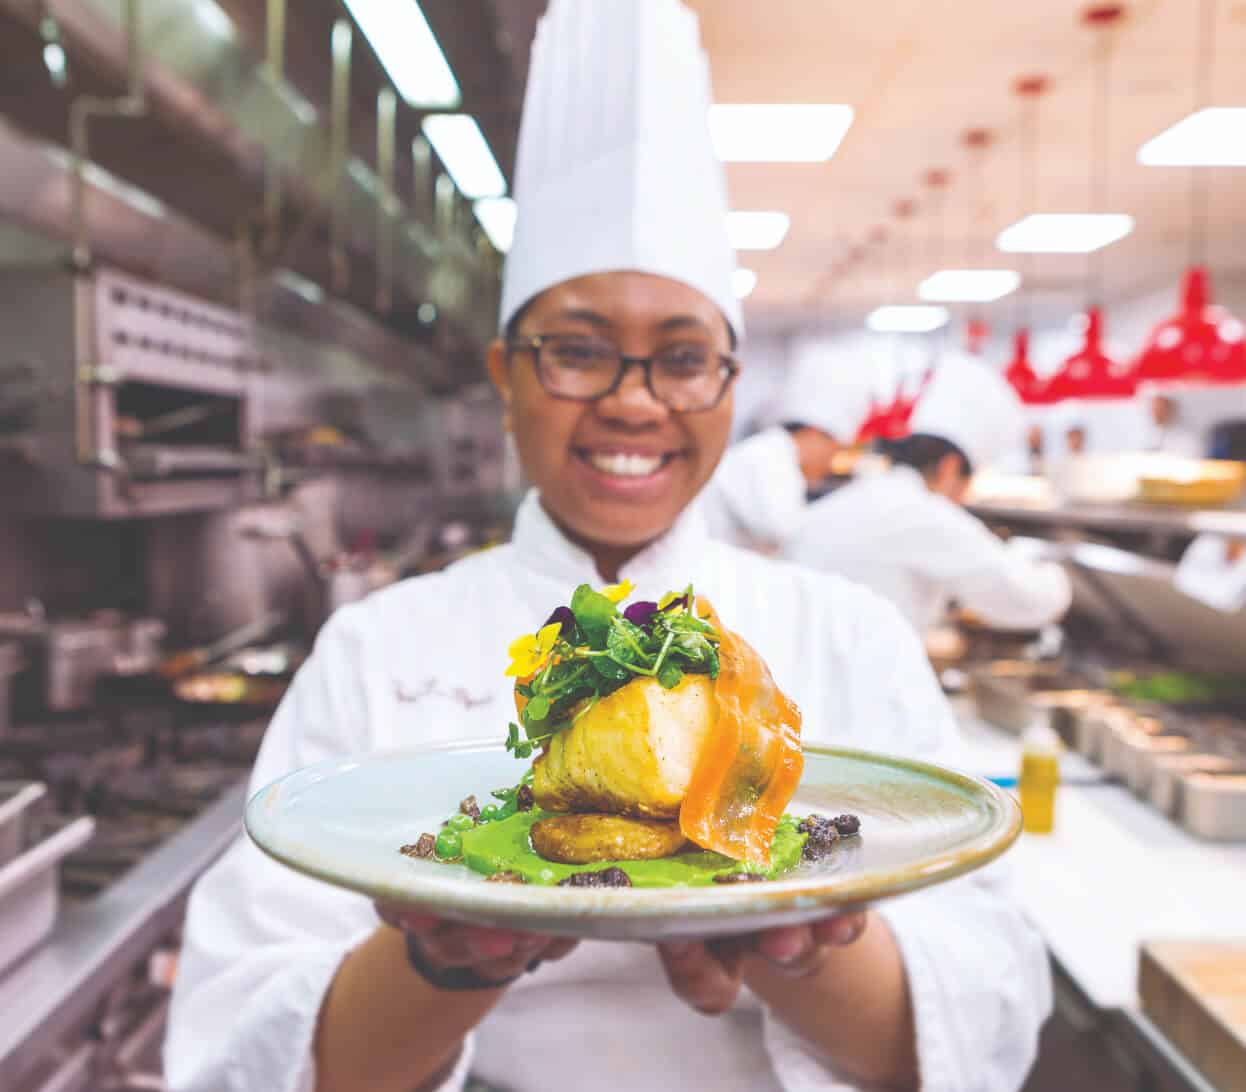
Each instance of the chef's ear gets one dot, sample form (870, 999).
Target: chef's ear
(498, 362)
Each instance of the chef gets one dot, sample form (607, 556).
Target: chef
(757, 496)
(1168, 433)
(616, 367)
(905, 533)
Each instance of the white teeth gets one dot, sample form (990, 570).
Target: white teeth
(626, 466)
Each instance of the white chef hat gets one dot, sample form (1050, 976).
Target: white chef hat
(616, 169)
(828, 387)
(972, 406)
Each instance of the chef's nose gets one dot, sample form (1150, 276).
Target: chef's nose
(632, 402)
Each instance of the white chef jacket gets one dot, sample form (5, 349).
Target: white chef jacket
(919, 549)
(756, 497)
(423, 662)
(1176, 440)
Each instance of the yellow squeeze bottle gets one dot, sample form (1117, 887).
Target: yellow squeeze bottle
(1040, 774)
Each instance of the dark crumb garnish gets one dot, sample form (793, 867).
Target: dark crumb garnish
(738, 877)
(847, 825)
(524, 800)
(471, 808)
(607, 877)
(824, 833)
(505, 877)
(422, 848)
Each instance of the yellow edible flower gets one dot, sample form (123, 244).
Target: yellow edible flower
(616, 593)
(530, 652)
(668, 599)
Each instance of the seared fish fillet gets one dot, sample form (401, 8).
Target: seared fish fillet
(632, 753)
(582, 839)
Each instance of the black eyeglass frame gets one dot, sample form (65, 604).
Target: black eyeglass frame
(644, 363)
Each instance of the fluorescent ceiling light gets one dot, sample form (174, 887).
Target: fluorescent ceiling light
(300, 285)
(408, 51)
(743, 281)
(1064, 232)
(54, 61)
(497, 216)
(909, 319)
(461, 146)
(968, 285)
(1215, 137)
(779, 133)
(757, 230)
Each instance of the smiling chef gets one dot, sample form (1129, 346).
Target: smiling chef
(616, 366)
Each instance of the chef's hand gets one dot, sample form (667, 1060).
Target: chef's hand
(494, 955)
(706, 974)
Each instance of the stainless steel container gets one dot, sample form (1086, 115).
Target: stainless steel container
(1141, 752)
(10, 664)
(16, 800)
(1213, 805)
(29, 892)
(78, 653)
(1167, 770)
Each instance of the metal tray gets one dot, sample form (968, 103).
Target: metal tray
(29, 894)
(1213, 805)
(1017, 694)
(16, 799)
(1164, 791)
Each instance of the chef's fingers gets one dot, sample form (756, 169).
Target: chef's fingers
(790, 949)
(698, 977)
(841, 930)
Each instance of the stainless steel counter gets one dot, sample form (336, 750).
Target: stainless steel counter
(57, 990)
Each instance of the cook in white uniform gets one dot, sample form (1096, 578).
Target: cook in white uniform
(1168, 434)
(757, 496)
(904, 532)
(616, 370)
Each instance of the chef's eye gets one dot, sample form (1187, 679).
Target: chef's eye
(685, 360)
(580, 355)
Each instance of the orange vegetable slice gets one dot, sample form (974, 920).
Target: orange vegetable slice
(751, 761)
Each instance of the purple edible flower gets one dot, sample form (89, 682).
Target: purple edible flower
(564, 618)
(641, 613)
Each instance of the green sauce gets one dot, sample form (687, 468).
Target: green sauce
(504, 846)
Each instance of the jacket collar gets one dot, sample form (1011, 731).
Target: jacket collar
(677, 556)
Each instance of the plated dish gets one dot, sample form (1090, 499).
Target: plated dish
(653, 784)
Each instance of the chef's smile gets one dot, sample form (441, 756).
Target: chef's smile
(620, 467)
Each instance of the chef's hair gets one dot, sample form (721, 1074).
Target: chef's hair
(922, 452)
(511, 330)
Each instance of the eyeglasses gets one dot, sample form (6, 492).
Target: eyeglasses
(686, 378)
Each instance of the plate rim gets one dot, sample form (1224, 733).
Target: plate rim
(448, 896)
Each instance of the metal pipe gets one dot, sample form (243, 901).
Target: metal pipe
(276, 49)
(339, 122)
(386, 138)
(422, 175)
(132, 104)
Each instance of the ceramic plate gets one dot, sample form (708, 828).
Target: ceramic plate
(343, 821)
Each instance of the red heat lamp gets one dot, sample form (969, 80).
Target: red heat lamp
(1090, 373)
(1031, 389)
(1201, 346)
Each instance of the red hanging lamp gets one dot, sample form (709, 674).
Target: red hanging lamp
(1030, 387)
(1090, 373)
(1019, 371)
(1202, 345)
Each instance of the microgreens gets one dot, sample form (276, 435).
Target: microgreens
(598, 649)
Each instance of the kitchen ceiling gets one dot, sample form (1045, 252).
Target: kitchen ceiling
(919, 73)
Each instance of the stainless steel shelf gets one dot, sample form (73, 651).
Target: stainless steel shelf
(1119, 517)
(56, 991)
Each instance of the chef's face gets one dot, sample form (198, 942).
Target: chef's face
(614, 473)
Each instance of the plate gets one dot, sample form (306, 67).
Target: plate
(343, 821)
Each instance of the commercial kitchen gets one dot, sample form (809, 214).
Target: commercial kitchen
(251, 264)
